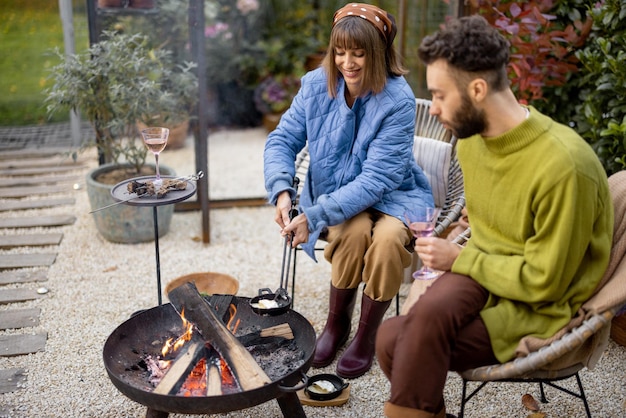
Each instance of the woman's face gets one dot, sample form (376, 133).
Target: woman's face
(351, 64)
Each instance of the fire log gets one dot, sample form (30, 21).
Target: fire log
(244, 368)
(192, 352)
(213, 375)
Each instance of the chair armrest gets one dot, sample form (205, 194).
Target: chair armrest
(524, 366)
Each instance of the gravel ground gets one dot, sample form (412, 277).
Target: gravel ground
(96, 285)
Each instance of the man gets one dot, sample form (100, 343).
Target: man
(541, 217)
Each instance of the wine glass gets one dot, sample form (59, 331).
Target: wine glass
(421, 221)
(156, 140)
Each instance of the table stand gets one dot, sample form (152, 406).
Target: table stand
(120, 192)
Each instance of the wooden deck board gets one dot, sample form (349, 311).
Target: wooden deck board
(10, 381)
(12, 261)
(25, 191)
(49, 161)
(32, 152)
(18, 295)
(19, 318)
(30, 240)
(17, 276)
(36, 221)
(32, 171)
(35, 204)
(16, 345)
(37, 180)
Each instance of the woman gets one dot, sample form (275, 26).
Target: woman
(357, 114)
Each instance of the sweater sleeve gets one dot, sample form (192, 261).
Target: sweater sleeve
(560, 239)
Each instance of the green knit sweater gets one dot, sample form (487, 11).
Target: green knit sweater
(542, 222)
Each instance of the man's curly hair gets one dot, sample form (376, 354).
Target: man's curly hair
(470, 45)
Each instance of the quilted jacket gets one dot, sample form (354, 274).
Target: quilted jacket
(360, 157)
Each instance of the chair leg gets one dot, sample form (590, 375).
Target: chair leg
(463, 400)
(397, 303)
(580, 395)
(543, 398)
(465, 397)
(583, 396)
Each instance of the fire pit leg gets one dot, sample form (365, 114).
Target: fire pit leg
(291, 406)
(153, 413)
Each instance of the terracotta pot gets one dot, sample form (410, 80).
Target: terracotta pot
(102, 4)
(618, 329)
(313, 61)
(122, 223)
(270, 121)
(142, 4)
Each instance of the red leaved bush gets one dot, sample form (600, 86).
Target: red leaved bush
(543, 46)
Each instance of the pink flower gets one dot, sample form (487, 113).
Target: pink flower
(215, 30)
(247, 6)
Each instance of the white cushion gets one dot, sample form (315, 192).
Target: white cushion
(434, 158)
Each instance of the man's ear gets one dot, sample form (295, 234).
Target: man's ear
(477, 90)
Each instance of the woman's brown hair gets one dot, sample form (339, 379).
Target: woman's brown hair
(381, 61)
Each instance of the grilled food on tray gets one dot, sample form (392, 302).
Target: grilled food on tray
(147, 187)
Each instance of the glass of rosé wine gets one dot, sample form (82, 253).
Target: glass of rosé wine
(156, 140)
(421, 221)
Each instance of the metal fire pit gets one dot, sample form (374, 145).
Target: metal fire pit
(143, 334)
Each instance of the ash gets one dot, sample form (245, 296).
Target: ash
(278, 362)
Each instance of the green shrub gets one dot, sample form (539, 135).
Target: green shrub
(601, 117)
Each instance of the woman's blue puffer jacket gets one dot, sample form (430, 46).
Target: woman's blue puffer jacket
(360, 157)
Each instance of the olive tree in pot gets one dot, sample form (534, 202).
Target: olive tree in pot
(114, 84)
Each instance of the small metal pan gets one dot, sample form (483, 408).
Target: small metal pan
(317, 389)
(282, 302)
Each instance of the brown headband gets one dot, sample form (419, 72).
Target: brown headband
(383, 21)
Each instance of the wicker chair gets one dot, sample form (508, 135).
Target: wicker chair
(577, 346)
(453, 201)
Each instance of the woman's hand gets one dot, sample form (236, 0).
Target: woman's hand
(437, 253)
(300, 228)
(298, 225)
(283, 206)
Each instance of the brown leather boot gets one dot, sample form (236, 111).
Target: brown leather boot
(358, 357)
(338, 324)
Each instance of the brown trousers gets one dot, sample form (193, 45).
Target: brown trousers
(371, 248)
(442, 331)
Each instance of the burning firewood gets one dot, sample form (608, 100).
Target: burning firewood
(197, 310)
(214, 375)
(185, 362)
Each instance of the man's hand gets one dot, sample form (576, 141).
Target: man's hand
(437, 253)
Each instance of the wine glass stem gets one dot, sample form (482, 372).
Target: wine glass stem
(156, 158)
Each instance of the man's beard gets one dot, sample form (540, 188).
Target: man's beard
(467, 120)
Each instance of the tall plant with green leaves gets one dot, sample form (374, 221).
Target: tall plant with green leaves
(117, 82)
(601, 117)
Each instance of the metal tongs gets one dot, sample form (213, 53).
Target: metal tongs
(281, 296)
(191, 177)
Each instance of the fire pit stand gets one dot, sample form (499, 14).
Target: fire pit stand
(119, 192)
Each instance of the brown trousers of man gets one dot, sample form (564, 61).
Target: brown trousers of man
(442, 331)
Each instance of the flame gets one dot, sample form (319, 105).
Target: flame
(232, 309)
(195, 384)
(171, 345)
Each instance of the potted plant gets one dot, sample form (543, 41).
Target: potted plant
(273, 96)
(115, 83)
